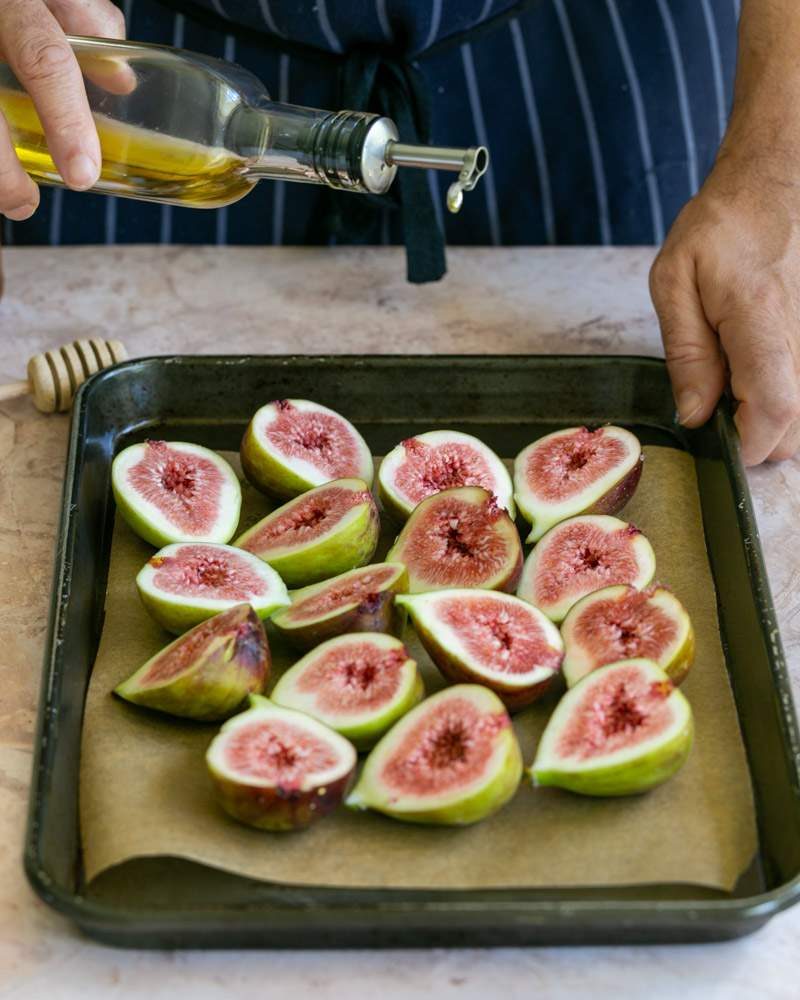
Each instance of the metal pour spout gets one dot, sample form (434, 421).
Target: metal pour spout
(471, 165)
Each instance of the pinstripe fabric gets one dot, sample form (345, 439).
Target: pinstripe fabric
(383, 19)
(536, 130)
(683, 96)
(598, 170)
(435, 21)
(436, 195)
(54, 229)
(269, 20)
(641, 122)
(602, 116)
(716, 63)
(279, 192)
(483, 140)
(325, 24)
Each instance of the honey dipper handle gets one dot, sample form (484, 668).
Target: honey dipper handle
(14, 390)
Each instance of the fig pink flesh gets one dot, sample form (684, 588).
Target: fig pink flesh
(209, 573)
(248, 649)
(625, 710)
(358, 588)
(449, 747)
(453, 543)
(353, 678)
(624, 628)
(428, 469)
(277, 752)
(308, 519)
(583, 558)
(323, 439)
(565, 466)
(186, 488)
(502, 637)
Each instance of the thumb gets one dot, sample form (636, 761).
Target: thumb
(694, 358)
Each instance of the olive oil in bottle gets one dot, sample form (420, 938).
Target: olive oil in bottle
(186, 129)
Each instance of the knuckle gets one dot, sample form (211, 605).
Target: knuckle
(684, 353)
(782, 407)
(663, 277)
(43, 59)
(14, 186)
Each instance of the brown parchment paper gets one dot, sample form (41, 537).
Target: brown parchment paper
(145, 793)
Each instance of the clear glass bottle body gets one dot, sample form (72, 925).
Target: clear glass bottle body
(187, 129)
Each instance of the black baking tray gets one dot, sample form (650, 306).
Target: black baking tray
(507, 401)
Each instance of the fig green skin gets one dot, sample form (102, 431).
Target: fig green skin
(266, 473)
(177, 618)
(611, 503)
(458, 670)
(399, 513)
(472, 808)
(632, 777)
(381, 614)
(277, 478)
(150, 532)
(365, 734)
(273, 808)
(365, 737)
(676, 669)
(336, 552)
(680, 665)
(234, 664)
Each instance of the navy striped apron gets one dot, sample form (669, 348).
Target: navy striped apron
(602, 116)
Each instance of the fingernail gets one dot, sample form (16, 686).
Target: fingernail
(689, 405)
(82, 171)
(21, 213)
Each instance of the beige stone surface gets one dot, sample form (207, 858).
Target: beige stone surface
(166, 300)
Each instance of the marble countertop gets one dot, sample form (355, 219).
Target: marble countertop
(276, 300)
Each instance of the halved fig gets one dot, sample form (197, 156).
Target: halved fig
(292, 445)
(485, 637)
(362, 600)
(183, 584)
(576, 471)
(459, 538)
(358, 684)
(176, 492)
(453, 760)
(206, 673)
(623, 730)
(277, 769)
(623, 623)
(322, 533)
(440, 460)
(581, 555)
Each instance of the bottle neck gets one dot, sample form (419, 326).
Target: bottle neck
(351, 150)
(342, 149)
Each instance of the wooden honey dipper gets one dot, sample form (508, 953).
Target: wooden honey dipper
(54, 376)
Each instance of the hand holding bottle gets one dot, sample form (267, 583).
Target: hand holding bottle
(33, 42)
